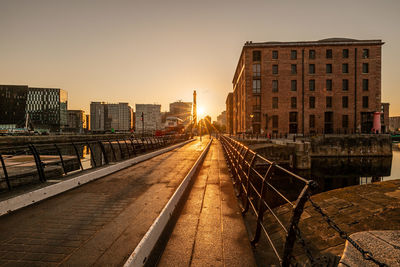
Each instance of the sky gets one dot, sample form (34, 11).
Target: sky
(146, 52)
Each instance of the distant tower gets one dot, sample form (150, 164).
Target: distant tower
(194, 109)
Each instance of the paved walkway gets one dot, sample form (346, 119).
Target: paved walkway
(99, 223)
(210, 230)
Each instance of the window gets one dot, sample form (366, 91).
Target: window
(328, 68)
(365, 101)
(275, 121)
(294, 69)
(345, 121)
(293, 54)
(274, 85)
(256, 117)
(365, 53)
(328, 53)
(328, 101)
(311, 68)
(328, 85)
(275, 102)
(292, 116)
(312, 121)
(294, 85)
(345, 68)
(345, 85)
(311, 54)
(311, 85)
(345, 53)
(293, 102)
(365, 84)
(256, 86)
(274, 54)
(274, 69)
(312, 101)
(256, 55)
(256, 70)
(257, 102)
(345, 102)
(365, 68)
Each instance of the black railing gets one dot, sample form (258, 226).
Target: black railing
(34, 163)
(268, 190)
(257, 181)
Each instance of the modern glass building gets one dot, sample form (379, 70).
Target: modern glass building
(47, 108)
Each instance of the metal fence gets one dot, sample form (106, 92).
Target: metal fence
(33, 163)
(263, 188)
(253, 177)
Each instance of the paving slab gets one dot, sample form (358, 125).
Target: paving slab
(210, 230)
(384, 246)
(99, 223)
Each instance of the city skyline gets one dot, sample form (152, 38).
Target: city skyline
(150, 52)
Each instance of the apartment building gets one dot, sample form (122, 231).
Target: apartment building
(326, 86)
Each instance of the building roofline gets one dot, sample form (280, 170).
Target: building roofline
(329, 41)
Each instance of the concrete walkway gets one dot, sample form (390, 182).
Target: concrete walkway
(210, 230)
(99, 223)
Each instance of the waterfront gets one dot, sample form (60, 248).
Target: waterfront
(332, 173)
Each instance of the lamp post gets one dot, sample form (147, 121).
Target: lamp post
(252, 116)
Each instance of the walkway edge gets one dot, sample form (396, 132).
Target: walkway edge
(24, 200)
(145, 247)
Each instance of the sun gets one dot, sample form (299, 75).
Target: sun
(200, 112)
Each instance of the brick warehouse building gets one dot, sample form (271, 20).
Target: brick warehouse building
(327, 86)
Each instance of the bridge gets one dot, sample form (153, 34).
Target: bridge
(158, 201)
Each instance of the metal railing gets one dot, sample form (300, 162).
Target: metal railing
(32, 163)
(255, 179)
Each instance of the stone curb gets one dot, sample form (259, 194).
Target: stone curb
(146, 246)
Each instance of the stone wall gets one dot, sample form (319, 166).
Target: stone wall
(351, 145)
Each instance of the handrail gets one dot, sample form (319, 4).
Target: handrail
(254, 186)
(70, 157)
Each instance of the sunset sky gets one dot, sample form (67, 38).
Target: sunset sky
(160, 51)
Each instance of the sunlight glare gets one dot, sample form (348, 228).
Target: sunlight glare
(200, 112)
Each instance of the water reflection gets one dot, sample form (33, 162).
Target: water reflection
(333, 173)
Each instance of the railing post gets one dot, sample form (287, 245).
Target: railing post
(78, 156)
(61, 158)
(120, 150)
(242, 172)
(39, 163)
(133, 146)
(291, 235)
(260, 208)
(103, 150)
(127, 148)
(91, 154)
(246, 205)
(5, 172)
(112, 149)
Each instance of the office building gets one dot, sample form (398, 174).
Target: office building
(33, 107)
(12, 106)
(110, 117)
(151, 118)
(99, 121)
(121, 116)
(181, 110)
(327, 86)
(76, 121)
(394, 124)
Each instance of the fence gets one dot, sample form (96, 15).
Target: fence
(262, 189)
(34, 163)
